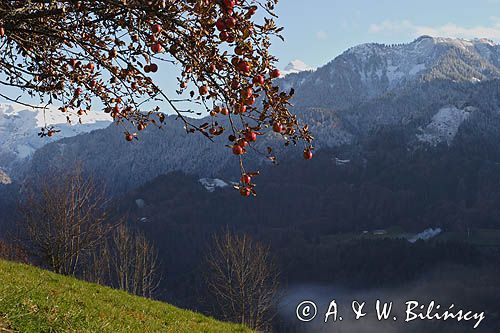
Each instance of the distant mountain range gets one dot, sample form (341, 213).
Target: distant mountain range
(371, 70)
(429, 88)
(19, 127)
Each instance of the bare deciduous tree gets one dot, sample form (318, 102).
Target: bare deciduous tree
(68, 229)
(132, 262)
(244, 280)
(63, 218)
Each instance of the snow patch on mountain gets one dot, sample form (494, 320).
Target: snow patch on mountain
(19, 128)
(463, 43)
(296, 66)
(211, 184)
(444, 125)
(384, 65)
(4, 178)
(425, 235)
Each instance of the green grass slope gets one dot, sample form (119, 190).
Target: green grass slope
(34, 300)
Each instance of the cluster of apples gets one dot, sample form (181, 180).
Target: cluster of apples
(245, 87)
(89, 69)
(247, 189)
(239, 148)
(156, 47)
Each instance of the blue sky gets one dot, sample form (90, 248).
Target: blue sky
(317, 31)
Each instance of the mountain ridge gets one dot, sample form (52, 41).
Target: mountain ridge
(19, 128)
(370, 70)
(344, 102)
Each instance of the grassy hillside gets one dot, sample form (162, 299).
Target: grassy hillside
(34, 300)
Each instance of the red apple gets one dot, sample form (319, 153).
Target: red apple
(240, 108)
(224, 35)
(203, 90)
(153, 68)
(229, 4)
(235, 84)
(247, 93)
(239, 50)
(250, 100)
(230, 22)
(275, 73)
(258, 80)
(246, 179)
(245, 191)
(251, 136)
(156, 28)
(252, 10)
(277, 127)
(235, 61)
(244, 67)
(308, 154)
(238, 150)
(220, 25)
(157, 48)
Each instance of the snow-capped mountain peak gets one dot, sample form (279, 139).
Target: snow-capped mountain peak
(461, 42)
(19, 127)
(373, 69)
(297, 66)
(49, 116)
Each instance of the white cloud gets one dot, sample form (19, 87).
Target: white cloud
(491, 31)
(391, 26)
(322, 35)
